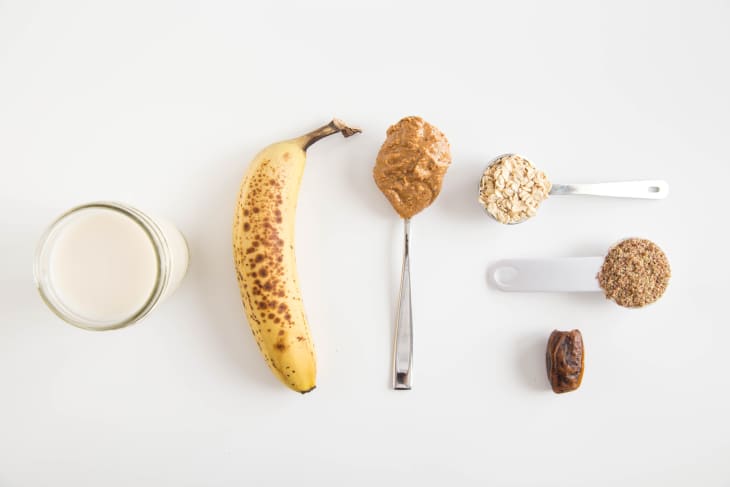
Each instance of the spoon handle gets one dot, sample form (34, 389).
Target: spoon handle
(649, 189)
(571, 274)
(403, 349)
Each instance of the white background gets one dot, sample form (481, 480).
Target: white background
(162, 104)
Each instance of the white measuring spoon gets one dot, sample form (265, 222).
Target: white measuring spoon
(651, 189)
(637, 274)
(569, 274)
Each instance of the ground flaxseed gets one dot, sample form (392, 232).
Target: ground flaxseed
(635, 273)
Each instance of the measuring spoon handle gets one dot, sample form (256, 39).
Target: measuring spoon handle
(572, 274)
(653, 189)
(403, 347)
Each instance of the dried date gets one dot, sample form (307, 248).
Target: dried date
(565, 360)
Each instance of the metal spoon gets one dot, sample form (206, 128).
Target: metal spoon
(403, 349)
(652, 189)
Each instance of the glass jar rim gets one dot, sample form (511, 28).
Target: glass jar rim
(45, 286)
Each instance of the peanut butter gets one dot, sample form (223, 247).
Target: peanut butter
(411, 165)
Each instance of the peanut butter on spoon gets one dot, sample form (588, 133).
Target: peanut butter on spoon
(411, 165)
(409, 170)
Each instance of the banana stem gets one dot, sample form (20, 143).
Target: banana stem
(333, 127)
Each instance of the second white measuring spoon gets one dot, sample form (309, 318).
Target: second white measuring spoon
(566, 275)
(635, 272)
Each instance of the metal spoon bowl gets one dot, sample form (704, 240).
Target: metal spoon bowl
(652, 189)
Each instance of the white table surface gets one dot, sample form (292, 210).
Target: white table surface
(162, 104)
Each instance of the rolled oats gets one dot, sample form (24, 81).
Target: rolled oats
(512, 188)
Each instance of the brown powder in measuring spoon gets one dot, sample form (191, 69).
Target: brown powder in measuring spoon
(411, 165)
(635, 273)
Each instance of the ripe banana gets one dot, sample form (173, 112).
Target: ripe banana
(263, 250)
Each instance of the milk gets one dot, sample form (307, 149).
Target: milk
(101, 267)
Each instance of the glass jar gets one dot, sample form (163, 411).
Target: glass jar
(106, 265)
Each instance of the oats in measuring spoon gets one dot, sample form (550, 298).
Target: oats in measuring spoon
(512, 188)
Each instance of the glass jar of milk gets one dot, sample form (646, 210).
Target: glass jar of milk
(106, 265)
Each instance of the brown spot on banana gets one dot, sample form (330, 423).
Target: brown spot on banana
(263, 236)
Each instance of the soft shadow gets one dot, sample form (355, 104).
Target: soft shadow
(360, 177)
(530, 362)
(211, 273)
(20, 298)
(588, 248)
(460, 193)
